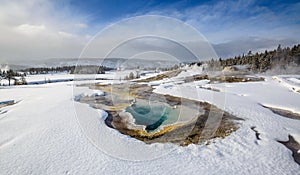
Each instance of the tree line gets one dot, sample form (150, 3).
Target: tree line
(46, 70)
(280, 58)
(18, 76)
(11, 75)
(87, 69)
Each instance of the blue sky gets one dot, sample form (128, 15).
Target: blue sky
(257, 18)
(101, 10)
(232, 27)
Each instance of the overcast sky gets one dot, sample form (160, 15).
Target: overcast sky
(43, 29)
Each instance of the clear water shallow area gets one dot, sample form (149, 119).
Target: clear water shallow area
(153, 114)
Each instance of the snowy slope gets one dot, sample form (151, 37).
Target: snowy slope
(292, 82)
(44, 133)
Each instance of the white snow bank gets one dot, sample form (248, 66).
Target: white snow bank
(290, 81)
(47, 133)
(243, 100)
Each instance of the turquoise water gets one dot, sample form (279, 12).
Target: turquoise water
(153, 116)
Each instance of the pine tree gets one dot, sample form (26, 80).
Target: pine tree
(9, 76)
(131, 76)
(137, 74)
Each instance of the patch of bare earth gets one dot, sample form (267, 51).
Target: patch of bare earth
(7, 103)
(284, 113)
(4, 104)
(234, 79)
(257, 134)
(168, 74)
(223, 78)
(209, 88)
(294, 146)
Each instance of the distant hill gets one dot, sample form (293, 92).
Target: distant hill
(108, 62)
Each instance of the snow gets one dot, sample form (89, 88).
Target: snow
(291, 82)
(46, 132)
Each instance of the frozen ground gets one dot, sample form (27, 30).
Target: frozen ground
(45, 133)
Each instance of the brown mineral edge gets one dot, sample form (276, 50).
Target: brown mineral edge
(195, 131)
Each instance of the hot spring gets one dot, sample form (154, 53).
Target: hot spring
(153, 115)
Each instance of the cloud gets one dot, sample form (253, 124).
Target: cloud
(39, 29)
(235, 27)
(150, 33)
(66, 35)
(224, 21)
(81, 25)
(29, 29)
(42, 29)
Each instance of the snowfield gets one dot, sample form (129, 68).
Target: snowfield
(46, 132)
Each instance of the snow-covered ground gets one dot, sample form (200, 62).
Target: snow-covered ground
(46, 132)
(292, 82)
